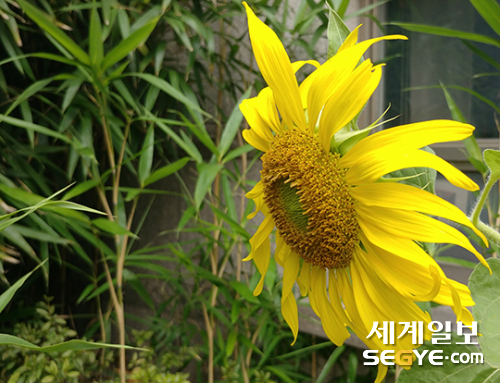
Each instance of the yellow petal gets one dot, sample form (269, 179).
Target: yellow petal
(348, 100)
(467, 317)
(280, 245)
(323, 82)
(304, 279)
(276, 69)
(351, 40)
(263, 232)
(254, 139)
(288, 304)
(256, 191)
(381, 372)
(332, 324)
(408, 137)
(261, 114)
(357, 324)
(410, 279)
(299, 64)
(333, 292)
(261, 258)
(259, 206)
(457, 305)
(290, 272)
(404, 255)
(405, 197)
(372, 297)
(379, 163)
(291, 315)
(412, 225)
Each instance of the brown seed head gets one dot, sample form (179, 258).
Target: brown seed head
(309, 200)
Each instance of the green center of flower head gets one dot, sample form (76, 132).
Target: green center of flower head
(309, 199)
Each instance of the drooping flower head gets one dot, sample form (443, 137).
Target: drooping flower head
(347, 239)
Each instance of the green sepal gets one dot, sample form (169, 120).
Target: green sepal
(337, 32)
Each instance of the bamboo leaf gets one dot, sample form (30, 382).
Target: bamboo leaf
(490, 12)
(474, 153)
(439, 31)
(60, 347)
(45, 22)
(146, 159)
(28, 92)
(232, 125)
(111, 227)
(129, 44)
(96, 49)
(168, 89)
(207, 174)
(7, 295)
(80, 189)
(166, 171)
(34, 127)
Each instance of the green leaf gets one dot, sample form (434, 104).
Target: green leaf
(73, 88)
(80, 189)
(96, 49)
(146, 159)
(304, 351)
(439, 31)
(244, 291)
(492, 160)
(168, 89)
(484, 290)
(337, 33)
(281, 373)
(329, 364)
(352, 367)
(207, 174)
(166, 171)
(7, 295)
(37, 201)
(449, 372)
(190, 150)
(231, 342)
(345, 140)
(232, 125)
(36, 128)
(364, 10)
(129, 44)
(46, 22)
(229, 198)
(490, 12)
(60, 347)
(138, 286)
(111, 227)
(28, 92)
(238, 152)
(490, 60)
(470, 143)
(456, 261)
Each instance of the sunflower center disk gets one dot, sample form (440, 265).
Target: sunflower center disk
(309, 200)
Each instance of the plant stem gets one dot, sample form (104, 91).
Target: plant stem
(482, 199)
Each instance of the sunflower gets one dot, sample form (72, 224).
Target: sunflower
(347, 236)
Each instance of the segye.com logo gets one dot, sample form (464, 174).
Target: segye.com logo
(441, 335)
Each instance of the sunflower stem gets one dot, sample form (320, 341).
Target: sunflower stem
(491, 234)
(482, 199)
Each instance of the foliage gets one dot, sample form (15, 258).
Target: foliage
(484, 288)
(117, 98)
(47, 328)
